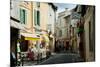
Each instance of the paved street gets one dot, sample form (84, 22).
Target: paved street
(62, 58)
(52, 35)
(57, 59)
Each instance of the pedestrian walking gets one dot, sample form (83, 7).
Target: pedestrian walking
(19, 59)
(12, 59)
(30, 54)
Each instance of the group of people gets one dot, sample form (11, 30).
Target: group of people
(61, 46)
(36, 51)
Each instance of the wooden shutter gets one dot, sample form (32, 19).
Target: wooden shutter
(35, 20)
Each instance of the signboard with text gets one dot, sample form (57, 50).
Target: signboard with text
(76, 15)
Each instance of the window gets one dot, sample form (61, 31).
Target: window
(60, 33)
(23, 16)
(36, 17)
(60, 21)
(11, 5)
(35, 20)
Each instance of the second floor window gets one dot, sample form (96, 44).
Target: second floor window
(37, 17)
(60, 33)
(23, 16)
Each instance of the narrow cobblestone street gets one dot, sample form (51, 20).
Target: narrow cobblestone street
(63, 58)
(58, 33)
(58, 58)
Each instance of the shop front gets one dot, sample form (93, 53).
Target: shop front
(15, 28)
(34, 47)
(45, 42)
(31, 41)
(13, 45)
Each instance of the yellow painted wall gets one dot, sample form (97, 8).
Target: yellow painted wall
(44, 15)
(28, 7)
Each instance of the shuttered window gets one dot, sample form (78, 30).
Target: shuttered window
(35, 20)
(23, 16)
(36, 17)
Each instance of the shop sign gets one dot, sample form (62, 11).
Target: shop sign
(76, 15)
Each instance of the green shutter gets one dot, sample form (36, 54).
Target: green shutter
(25, 17)
(38, 18)
(35, 20)
(21, 15)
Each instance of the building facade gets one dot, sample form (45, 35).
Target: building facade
(89, 27)
(88, 36)
(62, 28)
(32, 23)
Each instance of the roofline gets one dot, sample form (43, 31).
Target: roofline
(53, 6)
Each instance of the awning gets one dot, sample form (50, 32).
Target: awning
(17, 25)
(29, 36)
(46, 38)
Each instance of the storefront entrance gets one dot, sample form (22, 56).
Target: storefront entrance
(13, 45)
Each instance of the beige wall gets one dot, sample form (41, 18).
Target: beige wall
(63, 24)
(28, 7)
(44, 15)
(15, 9)
(86, 27)
(88, 18)
(29, 23)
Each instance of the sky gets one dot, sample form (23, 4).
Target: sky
(62, 6)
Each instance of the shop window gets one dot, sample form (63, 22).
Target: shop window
(24, 46)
